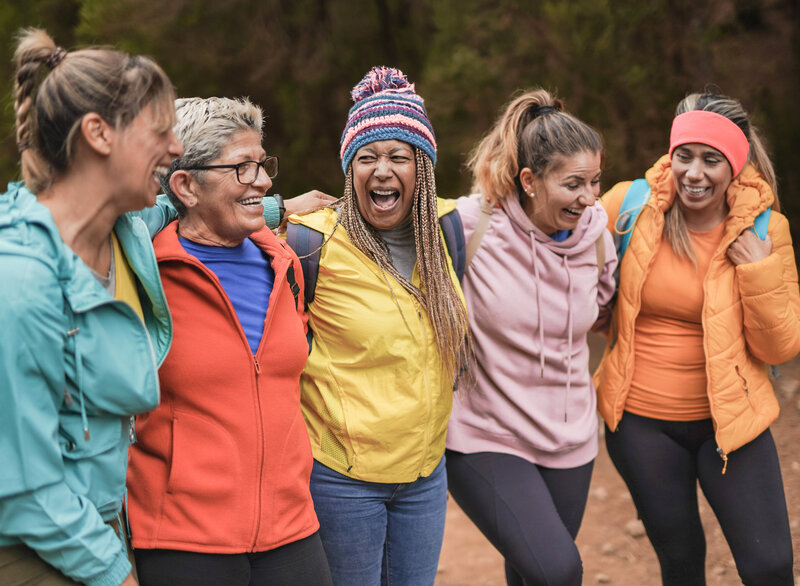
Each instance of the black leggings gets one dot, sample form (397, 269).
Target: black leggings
(530, 513)
(300, 563)
(662, 461)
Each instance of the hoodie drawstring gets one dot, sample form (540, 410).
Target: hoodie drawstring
(569, 335)
(540, 325)
(79, 381)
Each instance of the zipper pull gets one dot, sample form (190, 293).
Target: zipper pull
(68, 397)
(724, 457)
(257, 365)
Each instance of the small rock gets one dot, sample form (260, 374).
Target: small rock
(608, 548)
(794, 524)
(599, 493)
(602, 578)
(795, 466)
(634, 528)
(719, 570)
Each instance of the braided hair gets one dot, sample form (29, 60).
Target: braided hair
(437, 294)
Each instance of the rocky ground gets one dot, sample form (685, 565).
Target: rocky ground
(612, 543)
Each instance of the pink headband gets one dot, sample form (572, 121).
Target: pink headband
(716, 131)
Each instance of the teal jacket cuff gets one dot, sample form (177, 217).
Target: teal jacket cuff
(272, 213)
(114, 576)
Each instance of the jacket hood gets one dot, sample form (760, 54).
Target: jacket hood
(21, 211)
(590, 227)
(748, 194)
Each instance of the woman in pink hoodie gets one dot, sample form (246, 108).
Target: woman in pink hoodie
(523, 434)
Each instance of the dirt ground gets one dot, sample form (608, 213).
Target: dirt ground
(612, 543)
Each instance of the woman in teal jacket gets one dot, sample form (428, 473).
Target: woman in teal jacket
(85, 322)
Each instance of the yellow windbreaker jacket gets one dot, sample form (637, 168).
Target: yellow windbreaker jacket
(374, 392)
(751, 312)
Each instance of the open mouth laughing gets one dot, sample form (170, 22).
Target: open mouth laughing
(384, 199)
(250, 202)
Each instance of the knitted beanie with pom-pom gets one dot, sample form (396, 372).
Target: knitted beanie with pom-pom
(386, 108)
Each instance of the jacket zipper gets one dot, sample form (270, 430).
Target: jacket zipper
(260, 428)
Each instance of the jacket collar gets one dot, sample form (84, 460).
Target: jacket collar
(748, 194)
(167, 245)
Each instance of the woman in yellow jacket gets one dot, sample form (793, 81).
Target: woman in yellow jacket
(703, 306)
(389, 326)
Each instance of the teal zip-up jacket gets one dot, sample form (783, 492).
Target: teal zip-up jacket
(75, 364)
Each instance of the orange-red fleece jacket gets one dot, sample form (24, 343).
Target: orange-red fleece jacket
(223, 464)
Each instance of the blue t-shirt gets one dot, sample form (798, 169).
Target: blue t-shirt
(247, 278)
(560, 235)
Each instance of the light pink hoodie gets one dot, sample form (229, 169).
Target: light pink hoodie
(531, 302)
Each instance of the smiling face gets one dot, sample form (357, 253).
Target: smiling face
(384, 178)
(564, 193)
(702, 175)
(145, 148)
(225, 212)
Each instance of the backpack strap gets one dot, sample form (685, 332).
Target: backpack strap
(480, 229)
(760, 224)
(306, 243)
(600, 251)
(453, 230)
(291, 279)
(635, 199)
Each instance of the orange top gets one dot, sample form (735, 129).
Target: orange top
(669, 378)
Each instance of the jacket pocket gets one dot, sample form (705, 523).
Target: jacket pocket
(95, 468)
(205, 460)
(745, 385)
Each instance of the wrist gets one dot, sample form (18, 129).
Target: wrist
(281, 206)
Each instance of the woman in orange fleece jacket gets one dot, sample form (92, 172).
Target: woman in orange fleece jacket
(703, 304)
(219, 478)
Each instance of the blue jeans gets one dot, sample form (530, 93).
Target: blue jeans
(377, 533)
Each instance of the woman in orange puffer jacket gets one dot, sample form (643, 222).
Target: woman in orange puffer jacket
(703, 306)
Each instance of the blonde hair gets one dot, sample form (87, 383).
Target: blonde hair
(437, 293)
(205, 126)
(533, 131)
(49, 107)
(675, 230)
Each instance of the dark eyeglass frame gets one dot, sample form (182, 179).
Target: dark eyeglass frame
(237, 166)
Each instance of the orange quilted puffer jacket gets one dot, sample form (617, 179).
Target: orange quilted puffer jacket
(751, 312)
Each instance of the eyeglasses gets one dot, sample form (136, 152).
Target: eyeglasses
(247, 171)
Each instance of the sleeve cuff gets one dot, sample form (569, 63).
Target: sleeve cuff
(763, 276)
(114, 575)
(272, 213)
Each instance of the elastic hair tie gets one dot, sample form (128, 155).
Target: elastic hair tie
(23, 145)
(541, 110)
(56, 57)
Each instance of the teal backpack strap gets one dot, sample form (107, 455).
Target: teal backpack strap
(306, 243)
(635, 199)
(761, 222)
(453, 230)
(633, 202)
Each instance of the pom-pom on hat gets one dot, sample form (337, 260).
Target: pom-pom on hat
(386, 108)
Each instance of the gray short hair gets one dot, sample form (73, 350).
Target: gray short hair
(205, 127)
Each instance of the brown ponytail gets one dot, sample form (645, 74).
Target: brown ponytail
(534, 131)
(49, 105)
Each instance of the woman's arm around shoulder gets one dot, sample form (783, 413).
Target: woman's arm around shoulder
(769, 291)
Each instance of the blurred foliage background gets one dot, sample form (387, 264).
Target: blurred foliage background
(621, 65)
